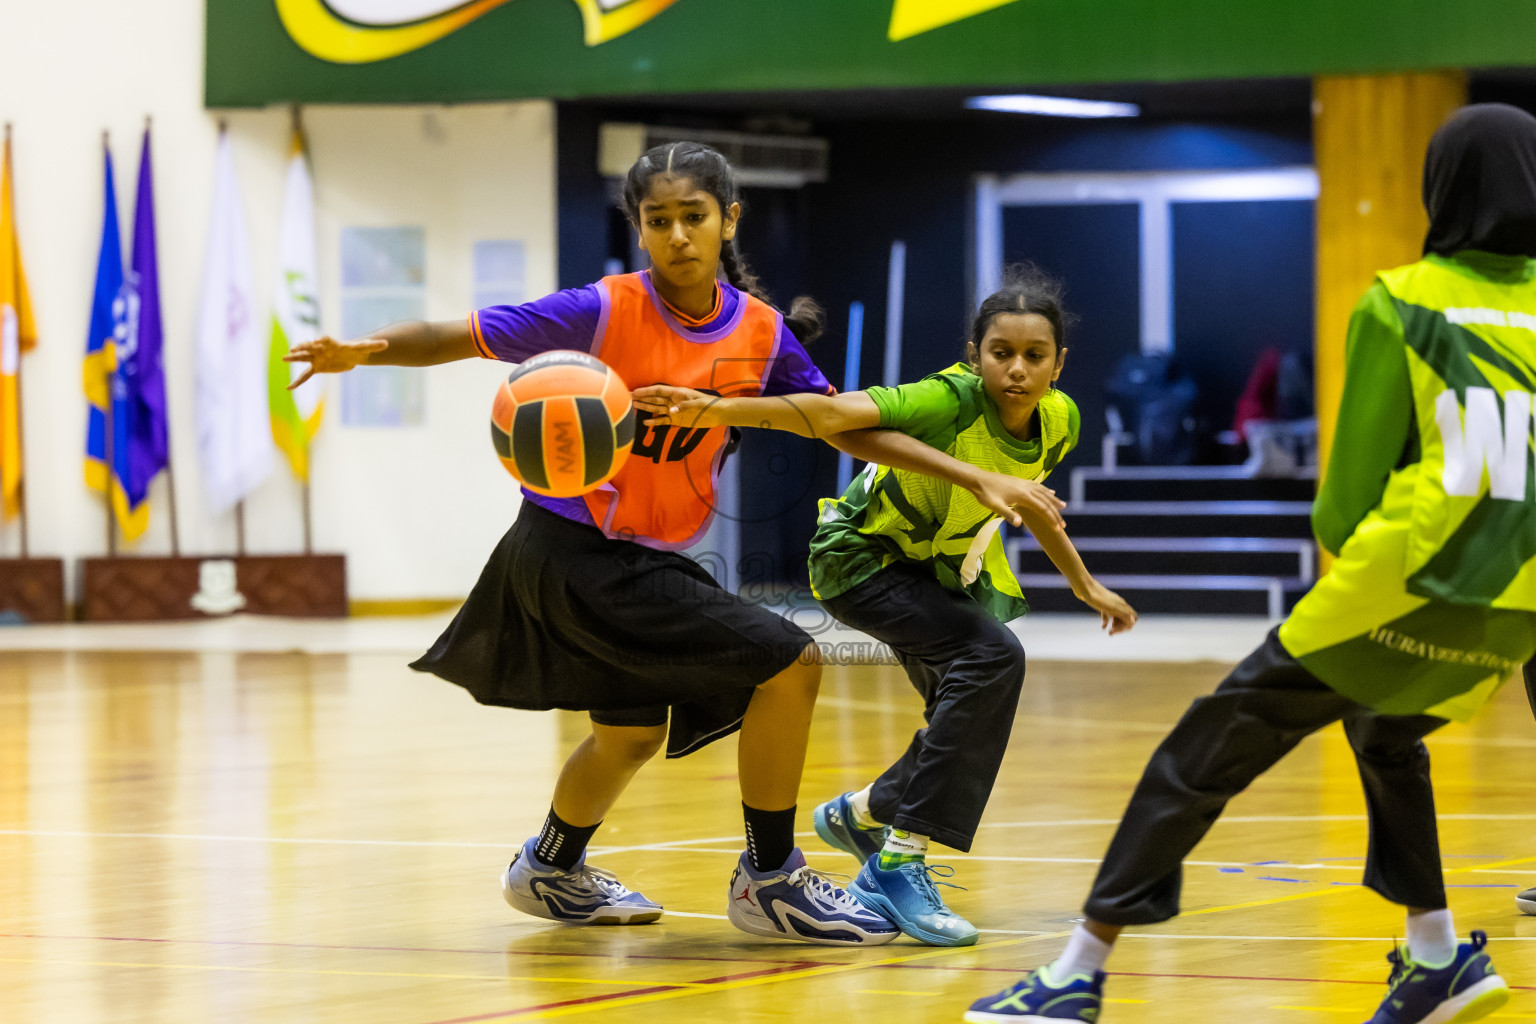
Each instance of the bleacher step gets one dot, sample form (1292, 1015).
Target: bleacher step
(1175, 593)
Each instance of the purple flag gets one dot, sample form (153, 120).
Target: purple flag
(141, 371)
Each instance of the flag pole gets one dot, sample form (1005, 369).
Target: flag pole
(107, 489)
(309, 547)
(296, 120)
(170, 471)
(21, 433)
(239, 505)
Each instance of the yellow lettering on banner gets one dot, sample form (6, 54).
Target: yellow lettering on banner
(322, 33)
(914, 17)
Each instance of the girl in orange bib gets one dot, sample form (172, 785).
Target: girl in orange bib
(587, 603)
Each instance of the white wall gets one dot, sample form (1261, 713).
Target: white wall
(416, 510)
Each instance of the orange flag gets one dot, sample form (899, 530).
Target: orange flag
(17, 334)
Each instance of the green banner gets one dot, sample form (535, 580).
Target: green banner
(371, 51)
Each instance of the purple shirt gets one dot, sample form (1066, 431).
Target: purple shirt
(570, 319)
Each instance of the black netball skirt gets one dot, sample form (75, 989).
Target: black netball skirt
(564, 617)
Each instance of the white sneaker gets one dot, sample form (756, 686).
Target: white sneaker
(801, 904)
(582, 895)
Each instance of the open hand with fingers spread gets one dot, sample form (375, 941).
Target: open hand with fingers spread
(327, 355)
(663, 404)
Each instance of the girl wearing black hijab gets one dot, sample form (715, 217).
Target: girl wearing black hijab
(1430, 507)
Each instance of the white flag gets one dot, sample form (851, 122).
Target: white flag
(295, 317)
(233, 432)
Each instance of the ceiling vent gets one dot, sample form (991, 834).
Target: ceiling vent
(762, 161)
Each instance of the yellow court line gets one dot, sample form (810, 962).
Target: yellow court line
(624, 982)
(894, 992)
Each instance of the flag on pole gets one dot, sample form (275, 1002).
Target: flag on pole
(123, 362)
(17, 334)
(295, 317)
(234, 437)
(108, 322)
(142, 369)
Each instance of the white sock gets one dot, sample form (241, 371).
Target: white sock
(1432, 938)
(1085, 954)
(902, 848)
(859, 802)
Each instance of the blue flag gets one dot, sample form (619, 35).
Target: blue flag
(123, 364)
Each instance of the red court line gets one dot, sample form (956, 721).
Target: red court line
(565, 1002)
(609, 997)
(423, 949)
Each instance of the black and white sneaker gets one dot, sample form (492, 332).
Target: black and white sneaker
(1526, 901)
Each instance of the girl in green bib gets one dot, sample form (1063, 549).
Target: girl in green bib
(917, 562)
(1429, 504)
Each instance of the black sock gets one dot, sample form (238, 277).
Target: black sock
(561, 844)
(770, 837)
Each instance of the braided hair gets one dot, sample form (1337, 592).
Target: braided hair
(712, 173)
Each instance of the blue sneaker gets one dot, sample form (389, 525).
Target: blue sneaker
(798, 903)
(1465, 989)
(837, 828)
(1036, 999)
(582, 895)
(907, 895)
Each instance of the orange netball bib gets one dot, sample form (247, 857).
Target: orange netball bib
(664, 497)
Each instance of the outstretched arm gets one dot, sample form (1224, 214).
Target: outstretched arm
(808, 415)
(999, 493)
(848, 422)
(1116, 615)
(408, 343)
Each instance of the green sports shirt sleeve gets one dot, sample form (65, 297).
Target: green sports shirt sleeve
(928, 409)
(1375, 419)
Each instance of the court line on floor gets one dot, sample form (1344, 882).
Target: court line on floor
(538, 1013)
(424, 975)
(683, 844)
(417, 949)
(319, 841)
(1002, 859)
(852, 704)
(620, 1000)
(1303, 938)
(610, 1000)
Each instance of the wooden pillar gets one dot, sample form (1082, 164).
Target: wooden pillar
(1369, 136)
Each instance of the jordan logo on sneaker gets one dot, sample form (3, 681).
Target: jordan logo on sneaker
(746, 894)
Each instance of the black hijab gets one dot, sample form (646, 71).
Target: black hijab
(1480, 182)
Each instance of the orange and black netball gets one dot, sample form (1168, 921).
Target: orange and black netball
(563, 423)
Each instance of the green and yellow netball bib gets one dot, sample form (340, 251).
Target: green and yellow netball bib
(1432, 602)
(889, 514)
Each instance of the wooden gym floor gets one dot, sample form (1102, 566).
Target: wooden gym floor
(269, 837)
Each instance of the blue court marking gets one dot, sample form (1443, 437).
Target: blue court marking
(1230, 871)
(1271, 878)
